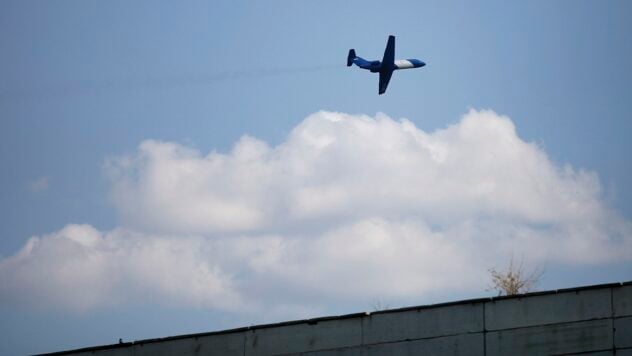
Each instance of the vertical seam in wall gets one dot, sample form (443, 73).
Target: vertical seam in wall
(484, 331)
(614, 330)
(245, 338)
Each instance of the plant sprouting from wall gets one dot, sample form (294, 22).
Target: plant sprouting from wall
(515, 279)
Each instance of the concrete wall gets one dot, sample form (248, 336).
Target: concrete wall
(595, 320)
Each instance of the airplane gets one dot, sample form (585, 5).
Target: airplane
(386, 66)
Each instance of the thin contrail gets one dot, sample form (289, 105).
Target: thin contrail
(136, 83)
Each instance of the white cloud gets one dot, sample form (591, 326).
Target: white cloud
(80, 268)
(347, 208)
(336, 166)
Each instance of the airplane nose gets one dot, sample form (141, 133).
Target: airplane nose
(418, 63)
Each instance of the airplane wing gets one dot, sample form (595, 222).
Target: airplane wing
(388, 64)
(389, 54)
(385, 77)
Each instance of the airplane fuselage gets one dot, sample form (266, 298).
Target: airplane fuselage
(376, 66)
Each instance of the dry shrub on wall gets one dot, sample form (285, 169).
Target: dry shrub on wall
(515, 279)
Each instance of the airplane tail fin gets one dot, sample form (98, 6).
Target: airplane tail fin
(351, 57)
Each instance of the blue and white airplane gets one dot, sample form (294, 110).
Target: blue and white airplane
(386, 66)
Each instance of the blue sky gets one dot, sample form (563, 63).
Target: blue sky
(85, 84)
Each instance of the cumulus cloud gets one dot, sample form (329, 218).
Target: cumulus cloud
(347, 207)
(80, 268)
(335, 166)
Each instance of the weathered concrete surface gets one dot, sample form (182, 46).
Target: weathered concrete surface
(622, 300)
(345, 351)
(623, 332)
(423, 323)
(304, 337)
(221, 344)
(464, 344)
(124, 351)
(575, 337)
(217, 344)
(595, 320)
(548, 309)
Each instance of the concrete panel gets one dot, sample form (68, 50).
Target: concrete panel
(623, 332)
(423, 323)
(346, 351)
(548, 309)
(219, 344)
(622, 298)
(329, 334)
(465, 344)
(121, 351)
(575, 337)
(626, 352)
(187, 347)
